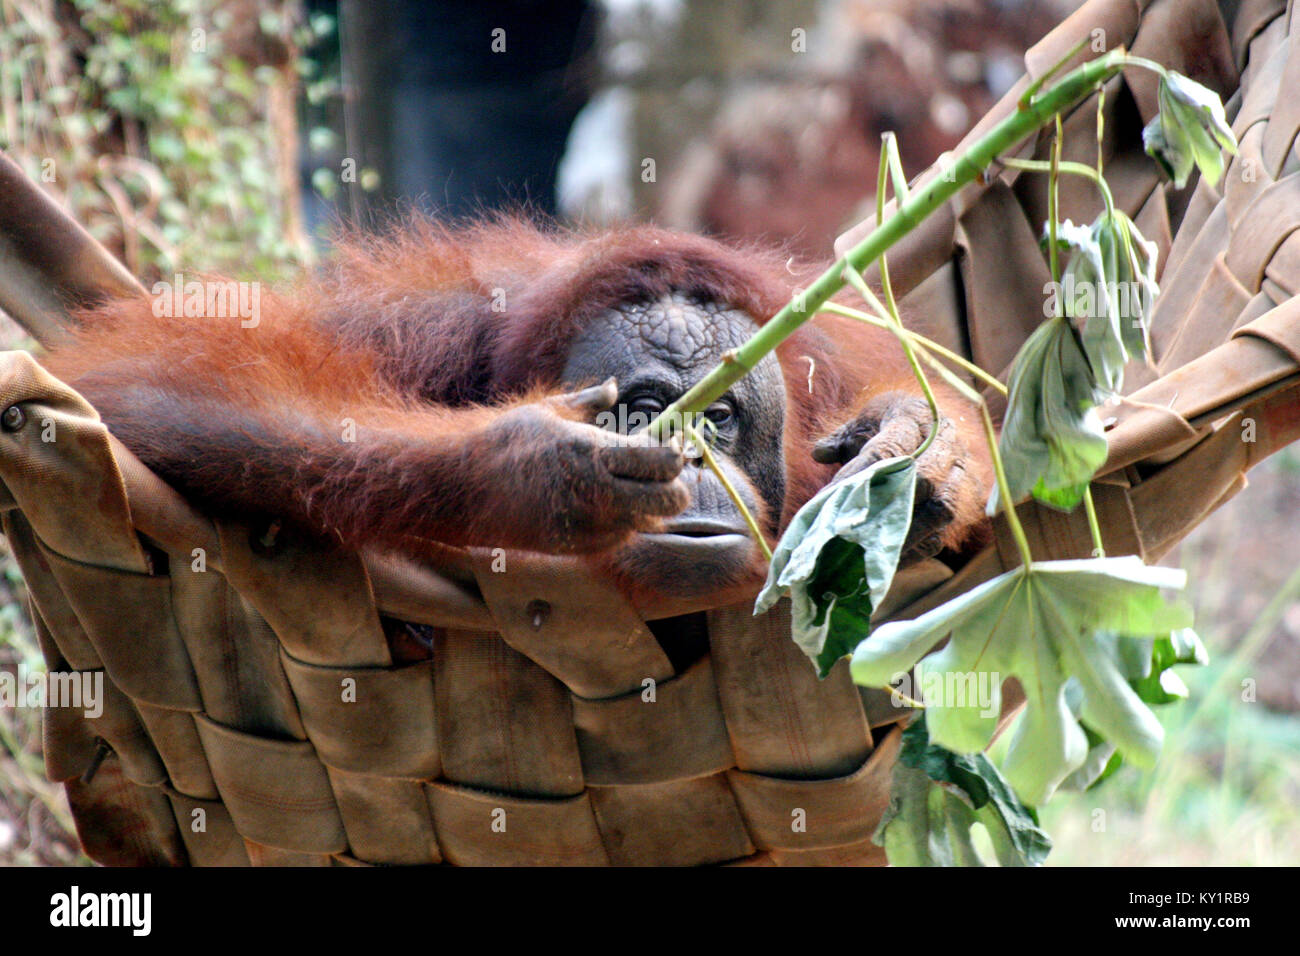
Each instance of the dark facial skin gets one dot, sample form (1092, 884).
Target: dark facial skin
(656, 351)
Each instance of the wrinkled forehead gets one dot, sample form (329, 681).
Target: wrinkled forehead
(679, 336)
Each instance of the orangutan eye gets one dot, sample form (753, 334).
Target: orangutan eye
(646, 405)
(720, 413)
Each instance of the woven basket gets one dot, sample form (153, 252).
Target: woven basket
(255, 712)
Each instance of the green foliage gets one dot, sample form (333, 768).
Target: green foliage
(1109, 285)
(938, 796)
(1042, 625)
(837, 558)
(1224, 791)
(1190, 131)
(159, 137)
(1092, 642)
(1155, 681)
(1147, 665)
(1052, 441)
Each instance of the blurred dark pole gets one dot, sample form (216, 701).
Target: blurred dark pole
(455, 115)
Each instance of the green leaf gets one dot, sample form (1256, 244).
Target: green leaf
(938, 795)
(1101, 762)
(1191, 130)
(1146, 664)
(1160, 685)
(1043, 625)
(1108, 288)
(912, 830)
(837, 558)
(1052, 441)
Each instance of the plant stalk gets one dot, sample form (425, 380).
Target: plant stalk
(1004, 490)
(922, 201)
(732, 493)
(926, 345)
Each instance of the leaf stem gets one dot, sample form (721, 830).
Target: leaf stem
(1101, 131)
(1158, 68)
(1053, 200)
(889, 143)
(1094, 526)
(926, 344)
(1065, 166)
(897, 695)
(734, 495)
(896, 326)
(991, 438)
(1004, 489)
(889, 161)
(975, 398)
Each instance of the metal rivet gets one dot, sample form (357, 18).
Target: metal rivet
(537, 612)
(102, 750)
(13, 418)
(268, 542)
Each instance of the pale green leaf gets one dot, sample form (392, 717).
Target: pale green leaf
(837, 558)
(1052, 440)
(937, 796)
(1044, 626)
(1191, 130)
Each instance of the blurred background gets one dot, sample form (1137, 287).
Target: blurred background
(232, 135)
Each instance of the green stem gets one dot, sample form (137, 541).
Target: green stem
(745, 513)
(1028, 95)
(925, 344)
(889, 144)
(921, 202)
(889, 160)
(1004, 489)
(1053, 181)
(991, 438)
(1101, 130)
(1066, 166)
(968, 393)
(1094, 526)
(1054, 201)
(1158, 68)
(902, 698)
(895, 326)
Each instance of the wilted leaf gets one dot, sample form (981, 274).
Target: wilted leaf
(1041, 625)
(1190, 130)
(1170, 152)
(1052, 440)
(938, 795)
(912, 829)
(1110, 283)
(1087, 304)
(838, 556)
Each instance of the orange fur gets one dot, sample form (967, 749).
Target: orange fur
(424, 337)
